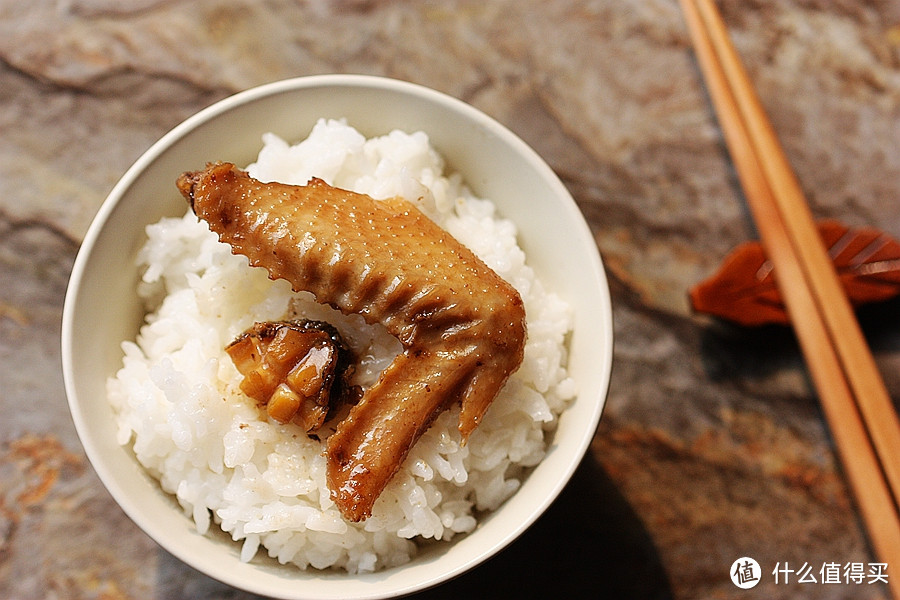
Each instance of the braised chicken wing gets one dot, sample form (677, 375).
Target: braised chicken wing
(461, 326)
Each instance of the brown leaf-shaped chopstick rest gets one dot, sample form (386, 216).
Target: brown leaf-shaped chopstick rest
(744, 291)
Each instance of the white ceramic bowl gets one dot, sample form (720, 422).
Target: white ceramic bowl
(102, 308)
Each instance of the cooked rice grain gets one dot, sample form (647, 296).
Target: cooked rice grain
(180, 409)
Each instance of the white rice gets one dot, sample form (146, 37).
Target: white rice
(180, 409)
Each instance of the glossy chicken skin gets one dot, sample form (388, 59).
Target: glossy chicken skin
(462, 327)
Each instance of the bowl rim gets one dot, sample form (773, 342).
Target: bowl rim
(225, 105)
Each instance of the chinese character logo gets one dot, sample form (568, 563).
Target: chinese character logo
(745, 573)
(831, 572)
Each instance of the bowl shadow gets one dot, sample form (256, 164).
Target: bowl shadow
(589, 544)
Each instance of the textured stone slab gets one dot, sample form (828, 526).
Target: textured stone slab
(712, 445)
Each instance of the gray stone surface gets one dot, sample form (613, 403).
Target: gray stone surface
(712, 445)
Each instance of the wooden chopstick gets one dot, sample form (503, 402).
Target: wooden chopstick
(855, 401)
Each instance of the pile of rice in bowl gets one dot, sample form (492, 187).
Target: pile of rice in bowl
(179, 406)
